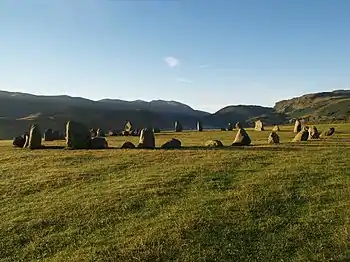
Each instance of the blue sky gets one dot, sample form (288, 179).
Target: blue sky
(206, 53)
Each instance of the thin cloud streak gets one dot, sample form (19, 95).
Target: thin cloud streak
(184, 80)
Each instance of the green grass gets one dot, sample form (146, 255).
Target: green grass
(287, 202)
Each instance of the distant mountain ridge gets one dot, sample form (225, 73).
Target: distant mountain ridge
(19, 110)
(160, 106)
(63, 100)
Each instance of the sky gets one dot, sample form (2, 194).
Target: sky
(207, 54)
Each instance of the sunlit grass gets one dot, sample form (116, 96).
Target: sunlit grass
(287, 202)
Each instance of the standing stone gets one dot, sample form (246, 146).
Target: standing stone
(93, 132)
(328, 132)
(138, 131)
(147, 139)
(229, 126)
(112, 133)
(127, 145)
(128, 127)
(331, 131)
(303, 135)
(48, 135)
(171, 144)
(297, 126)
(100, 133)
(34, 141)
(259, 126)
(98, 142)
(155, 130)
(135, 132)
(125, 133)
(199, 126)
(276, 128)
(77, 135)
(242, 138)
(238, 125)
(273, 138)
(313, 133)
(213, 143)
(19, 141)
(178, 127)
(26, 137)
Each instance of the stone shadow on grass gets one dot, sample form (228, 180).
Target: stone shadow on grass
(227, 148)
(68, 148)
(236, 148)
(223, 148)
(53, 147)
(42, 148)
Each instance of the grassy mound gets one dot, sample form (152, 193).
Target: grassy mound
(287, 202)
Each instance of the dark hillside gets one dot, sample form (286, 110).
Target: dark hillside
(18, 110)
(325, 106)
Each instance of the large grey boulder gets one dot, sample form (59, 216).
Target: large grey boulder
(147, 139)
(297, 126)
(259, 126)
(78, 135)
(213, 143)
(242, 138)
(173, 143)
(273, 138)
(178, 126)
(34, 140)
(98, 142)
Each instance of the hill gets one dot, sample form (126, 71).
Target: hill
(247, 114)
(19, 110)
(19, 105)
(324, 106)
(260, 203)
(159, 106)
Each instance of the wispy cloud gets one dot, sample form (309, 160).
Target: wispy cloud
(172, 61)
(184, 80)
(203, 66)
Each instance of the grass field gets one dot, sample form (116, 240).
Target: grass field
(287, 202)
